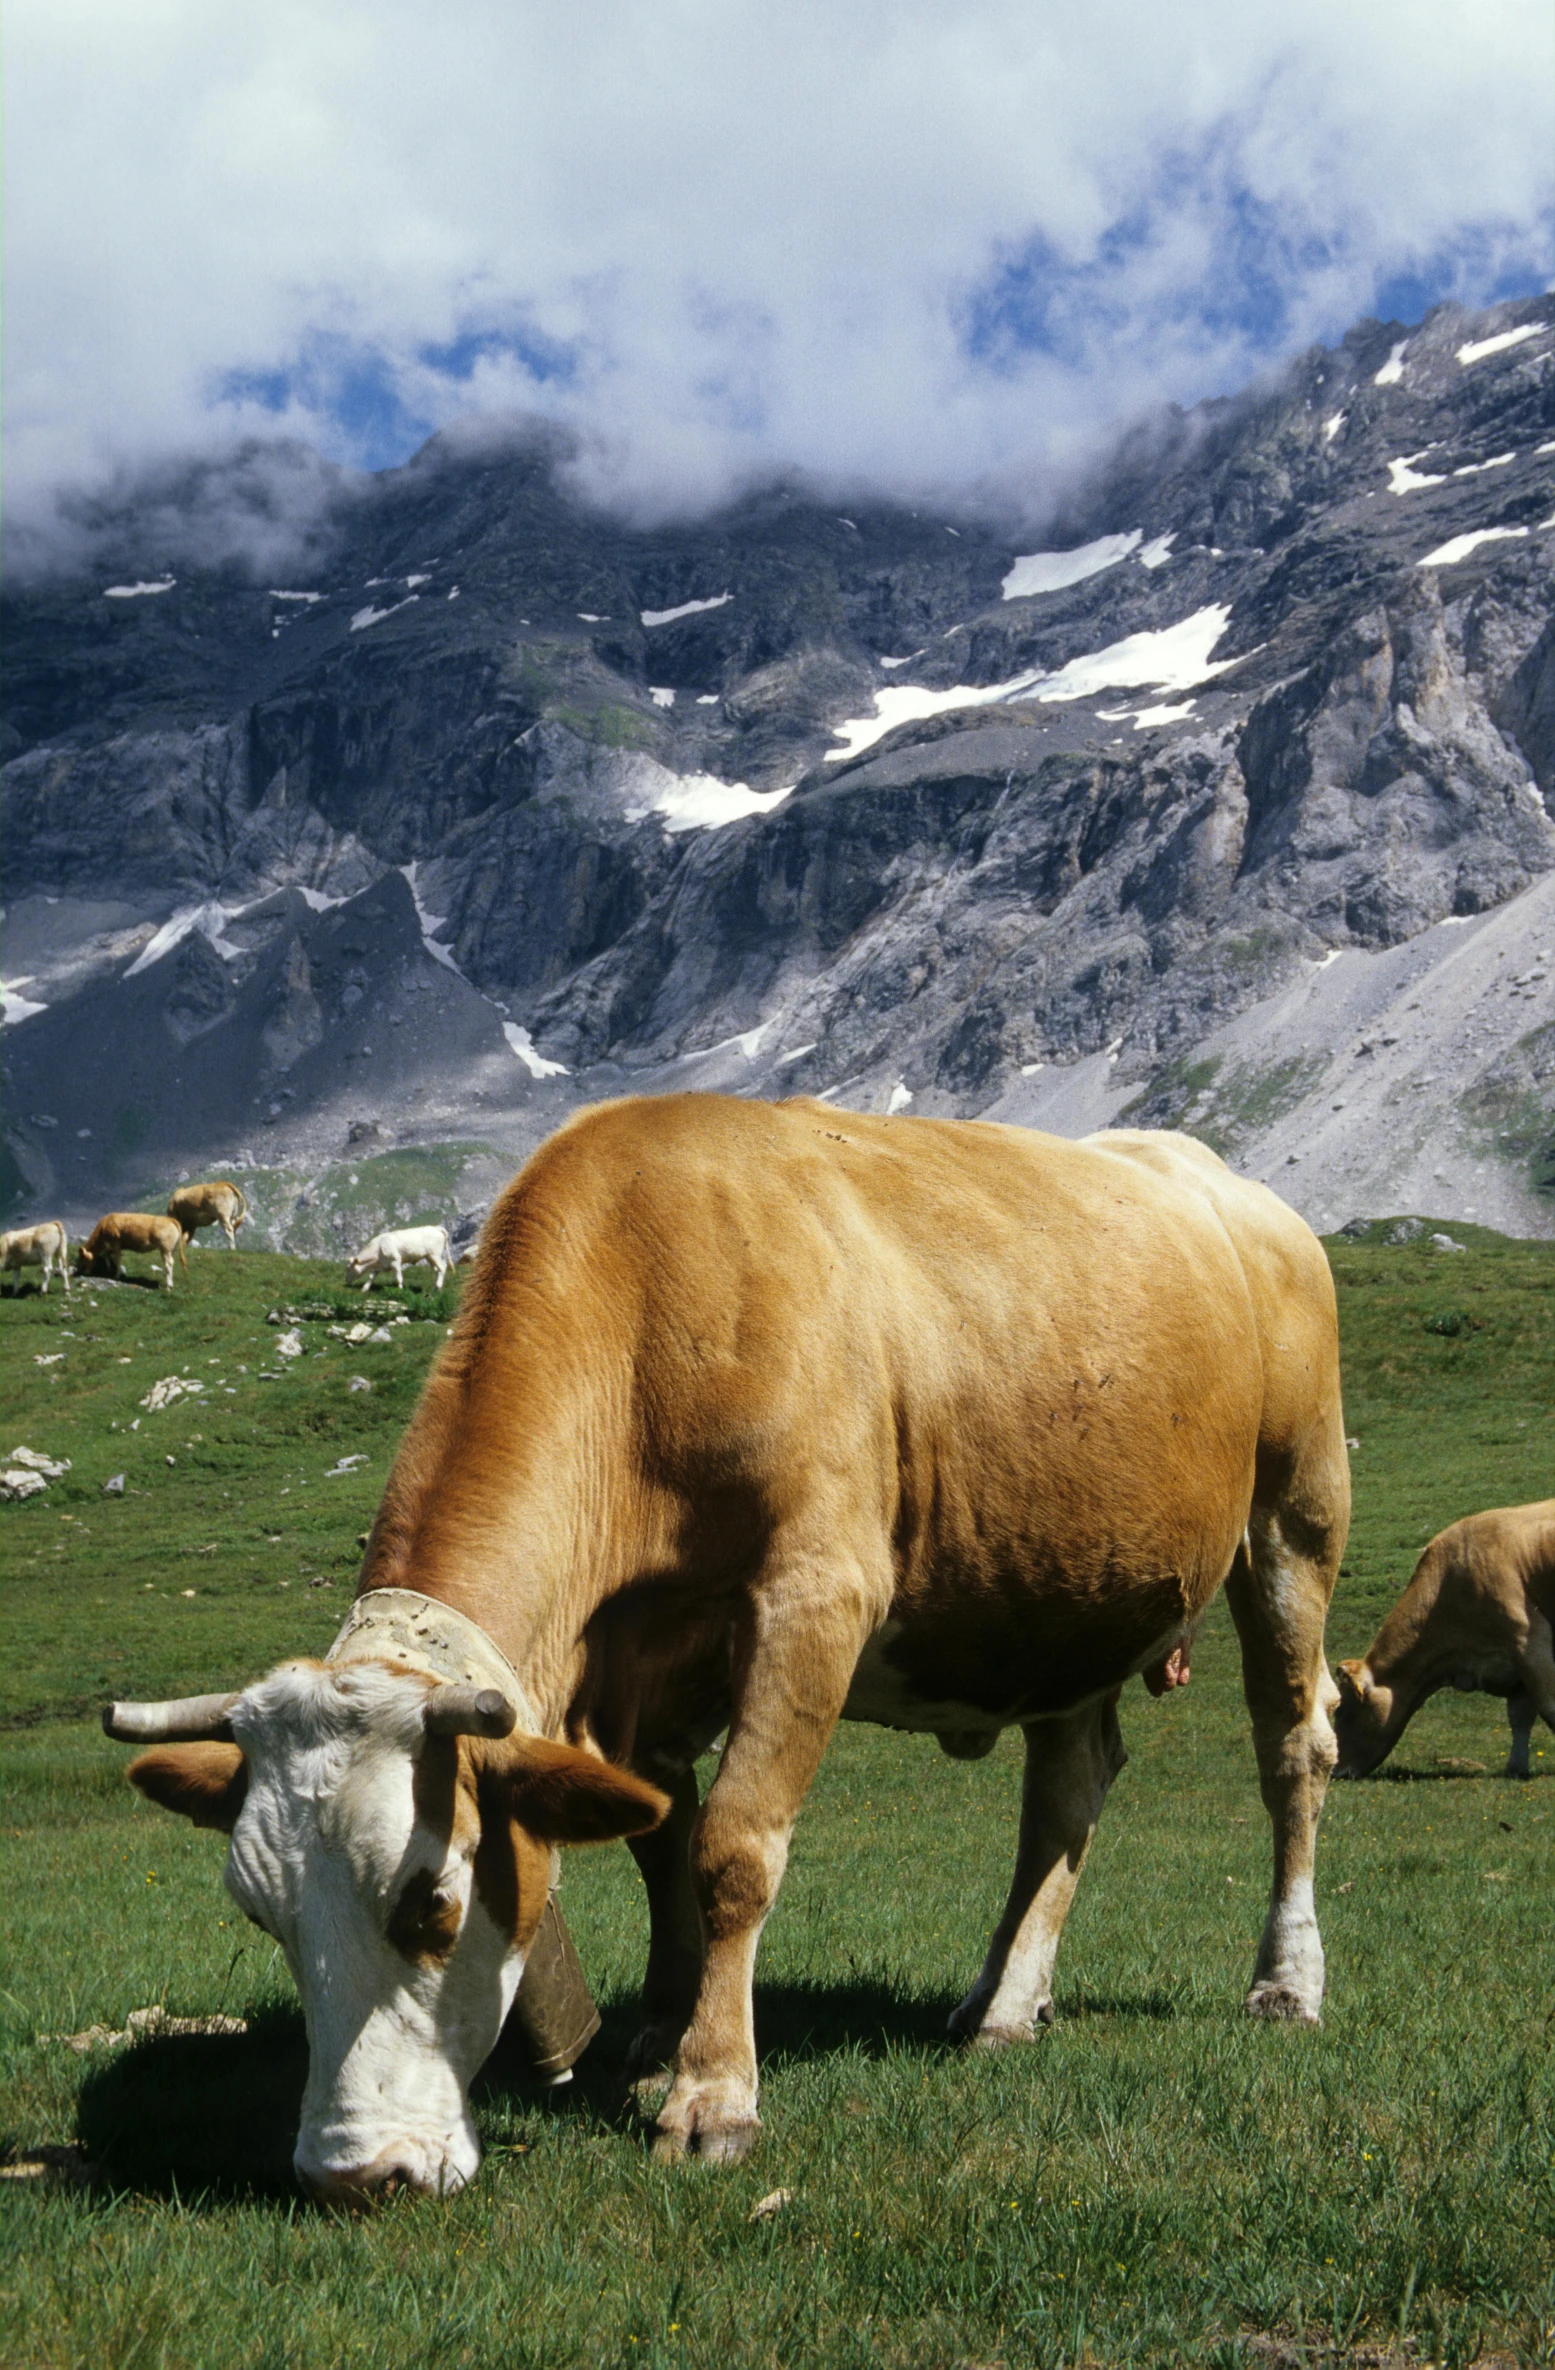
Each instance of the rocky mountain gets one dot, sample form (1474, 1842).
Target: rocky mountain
(1224, 798)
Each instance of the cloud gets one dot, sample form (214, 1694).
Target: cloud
(903, 245)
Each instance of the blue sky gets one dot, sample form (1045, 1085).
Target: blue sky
(896, 245)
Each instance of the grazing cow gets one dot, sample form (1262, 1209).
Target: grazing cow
(45, 1246)
(218, 1203)
(1477, 1615)
(399, 1248)
(131, 1230)
(757, 1416)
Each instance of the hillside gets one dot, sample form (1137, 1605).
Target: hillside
(1226, 797)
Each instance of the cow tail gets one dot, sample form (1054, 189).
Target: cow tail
(242, 1203)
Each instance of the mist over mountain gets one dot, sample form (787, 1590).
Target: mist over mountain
(1226, 801)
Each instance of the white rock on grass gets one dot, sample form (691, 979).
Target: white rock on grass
(171, 1387)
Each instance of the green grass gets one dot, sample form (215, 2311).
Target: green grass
(1154, 2180)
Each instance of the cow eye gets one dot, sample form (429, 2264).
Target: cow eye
(424, 1923)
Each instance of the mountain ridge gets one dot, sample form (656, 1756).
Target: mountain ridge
(577, 788)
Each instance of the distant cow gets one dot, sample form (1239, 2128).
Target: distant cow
(132, 1230)
(1476, 1616)
(218, 1203)
(44, 1246)
(398, 1249)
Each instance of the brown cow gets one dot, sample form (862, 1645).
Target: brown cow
(759, 1416)
(218, 1203)
(1477, 1615)
(131, 1230)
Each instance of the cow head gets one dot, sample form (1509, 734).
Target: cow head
(1368, 1720)
(395, 1839)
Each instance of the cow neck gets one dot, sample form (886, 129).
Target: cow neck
(402, 1625)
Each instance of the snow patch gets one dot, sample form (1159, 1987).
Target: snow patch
(1332, 425)
(1477, 351)
(1166, 715)
(661, 695)
(136, 592)
(902, 662)
(276, 595)
(317, 902)
(1404, 478)
(535, 1063)
(209, 919)
(371, 616)
(707, 699)
(1393, 369)
(796, 1053)
(591, 617)
(700, 802)
(1477, 468)
(901, 1096)
(1447, 555)
(1172, 658)
(653, 617)
(847, 522)
(1156, 553)
(1051, 571)
(430, 924)
(14, 1006)
(411, 582)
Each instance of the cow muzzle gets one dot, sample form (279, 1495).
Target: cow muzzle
(407, 2168)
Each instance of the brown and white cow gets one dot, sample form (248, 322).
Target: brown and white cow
(218, 1203)
(131, 1230)
(1477, 1615)
(45, 1245)
(760, 1416)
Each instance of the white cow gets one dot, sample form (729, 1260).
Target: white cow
(398, 1249)
(44, 1246)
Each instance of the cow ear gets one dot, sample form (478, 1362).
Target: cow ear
(563, 1796)
(205, 1783)
(1354, 1678)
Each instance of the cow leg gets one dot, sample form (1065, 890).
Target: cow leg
(1070, 1763)
(674, 1972)
(793, 1667)
(1535, 1697)
(1278, 1590)
(1521, 1713)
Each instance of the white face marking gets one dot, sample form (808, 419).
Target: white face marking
(328, 1839)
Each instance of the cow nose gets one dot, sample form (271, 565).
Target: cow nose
(372, 2184)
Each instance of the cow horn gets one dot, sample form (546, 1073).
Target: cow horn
(469, 1711)
(192, 1719)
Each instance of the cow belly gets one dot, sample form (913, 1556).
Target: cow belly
(883, 1695)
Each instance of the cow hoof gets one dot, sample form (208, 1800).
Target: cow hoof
(702, 2127)
(967, 2024)
(1277, 2003)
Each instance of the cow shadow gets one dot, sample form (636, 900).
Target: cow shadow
(798, 2023)
(213, 2114)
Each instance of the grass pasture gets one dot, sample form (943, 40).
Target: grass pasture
(1153, 2181)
